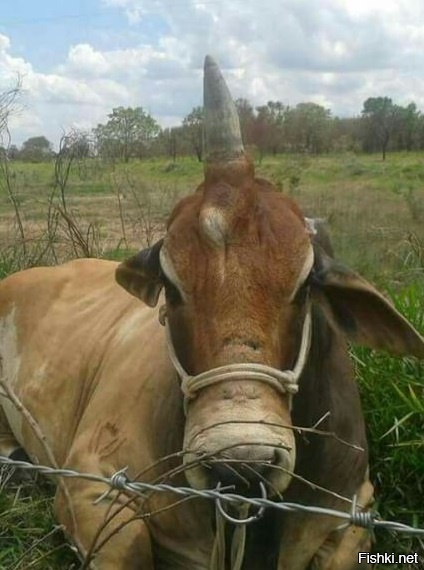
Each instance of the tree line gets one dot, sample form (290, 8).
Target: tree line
(382, 126)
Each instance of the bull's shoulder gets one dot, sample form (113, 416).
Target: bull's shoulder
(39, 291)
(84, 268)
(81, 272)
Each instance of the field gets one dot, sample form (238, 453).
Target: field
(374, 211)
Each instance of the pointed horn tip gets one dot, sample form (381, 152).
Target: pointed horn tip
(209, 62)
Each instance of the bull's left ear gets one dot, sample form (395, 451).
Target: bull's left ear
(141, 275)
(362, 312)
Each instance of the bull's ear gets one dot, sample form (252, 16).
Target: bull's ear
(141, 275)
(361, 311)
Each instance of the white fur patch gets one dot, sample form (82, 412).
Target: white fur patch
(213, 224)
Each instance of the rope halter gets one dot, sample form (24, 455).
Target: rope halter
(284, 381)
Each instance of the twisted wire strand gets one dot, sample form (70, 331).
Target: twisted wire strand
(119, 481)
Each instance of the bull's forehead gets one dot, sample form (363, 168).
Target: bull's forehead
(267, 243)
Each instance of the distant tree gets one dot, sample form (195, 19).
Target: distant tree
(81, 146)
(13, 153)
(169, 143)
(419, 136)
(193, 130)
(172, 142)
(247, 118)
(37, 149)
(407, 127)
(269, 127)
(380, 118)
(308, 128)
(128, 133)
(345, 134)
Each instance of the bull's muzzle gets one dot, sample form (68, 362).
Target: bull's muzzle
(242, 456)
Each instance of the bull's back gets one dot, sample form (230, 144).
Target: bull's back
(64, 334)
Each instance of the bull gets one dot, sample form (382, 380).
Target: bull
(257, 317)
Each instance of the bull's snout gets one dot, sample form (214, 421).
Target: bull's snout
(240, 441)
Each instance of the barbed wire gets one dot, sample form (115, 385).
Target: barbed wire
(120, 482)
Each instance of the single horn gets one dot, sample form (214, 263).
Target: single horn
(222, 137)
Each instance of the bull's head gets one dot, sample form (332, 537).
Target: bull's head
(239, 272)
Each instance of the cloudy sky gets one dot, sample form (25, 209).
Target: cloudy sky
(80, 59)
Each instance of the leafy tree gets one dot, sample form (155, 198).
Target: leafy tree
(308, 128)
(380, 117)
(13, 152)
(269, 127)
(169, 143)
(193, 130)
(247, 119)
(36, 149)
(172, 142)
(76, 143)
(345, 134)
(128, 133)
(420, 132)
(407, 127)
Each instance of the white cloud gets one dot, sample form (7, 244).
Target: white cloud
(84, 59)
(337, 52)
(4, 42)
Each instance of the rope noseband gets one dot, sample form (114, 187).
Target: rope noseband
(284, 381)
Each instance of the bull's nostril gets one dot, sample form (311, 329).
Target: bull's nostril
(225, 474)
(282, 459)
(252, 344)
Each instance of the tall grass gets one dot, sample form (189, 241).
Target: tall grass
(393, 399)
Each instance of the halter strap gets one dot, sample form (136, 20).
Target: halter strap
(284, 381)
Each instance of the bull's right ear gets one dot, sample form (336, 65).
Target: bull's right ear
(141, 274)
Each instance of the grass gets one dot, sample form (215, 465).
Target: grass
(375, 214)
(29, 537)
(392, 391)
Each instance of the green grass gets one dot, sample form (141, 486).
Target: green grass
(29, 536)
(392, 390)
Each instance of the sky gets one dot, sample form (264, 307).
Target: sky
(78, 60)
